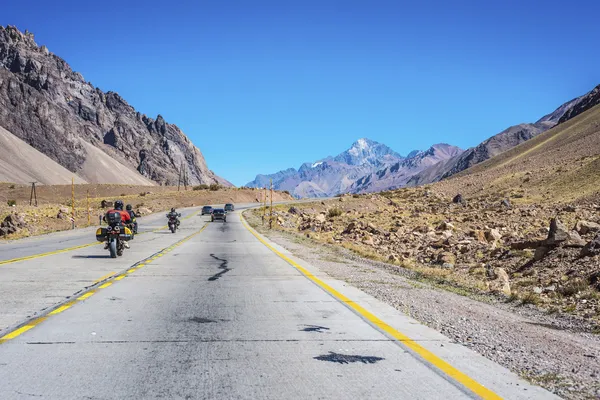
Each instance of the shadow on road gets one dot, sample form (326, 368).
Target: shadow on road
(92, 256)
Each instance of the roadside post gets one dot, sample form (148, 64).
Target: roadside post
(264, 207)
(88, 208)
(271, 213)
(73, 203)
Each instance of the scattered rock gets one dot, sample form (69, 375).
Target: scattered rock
(320, 218)
(585, 227)
(12, 224)
(493, 235)
(558, 232)
(446, 258)
(574, 240)
(294, 211)
(446, 226)
(458, 199)
(592, 248)
(505, 203)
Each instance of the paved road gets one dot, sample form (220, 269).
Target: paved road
(220, 315)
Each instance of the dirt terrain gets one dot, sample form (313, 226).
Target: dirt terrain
(54, 210)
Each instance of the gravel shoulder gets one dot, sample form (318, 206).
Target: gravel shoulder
(554, 351)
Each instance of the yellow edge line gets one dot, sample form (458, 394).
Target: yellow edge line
(427, 355)
(50, 253)
(33, 323)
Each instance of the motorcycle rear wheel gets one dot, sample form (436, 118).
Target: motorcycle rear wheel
(112, 247)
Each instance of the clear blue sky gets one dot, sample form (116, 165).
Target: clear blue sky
(260, 86)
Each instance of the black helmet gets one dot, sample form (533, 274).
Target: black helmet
(119, 205)
(173, 209)
(129, 207)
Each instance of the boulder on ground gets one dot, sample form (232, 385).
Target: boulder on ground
(592, 248)
(458, 199)
(585, 227)
(493, 235)
(558, 233)
(505, 203)
(294, 211)
(144, 211)
(12, 224)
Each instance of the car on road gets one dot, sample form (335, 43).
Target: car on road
(229, 207)
(207, 210)
(218, 213)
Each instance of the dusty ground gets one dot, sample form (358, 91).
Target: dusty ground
(554, 350)
(54, 210)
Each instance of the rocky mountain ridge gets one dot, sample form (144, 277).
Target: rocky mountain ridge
(506, 140)
(366, 166)
(56, 111)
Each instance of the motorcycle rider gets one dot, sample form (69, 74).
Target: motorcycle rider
(174, 214)
(131, 213)
(125, 217)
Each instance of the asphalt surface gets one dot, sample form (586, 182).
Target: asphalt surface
(217, 315)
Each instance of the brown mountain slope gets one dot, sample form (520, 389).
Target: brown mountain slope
(53, 109)
(19, 162)
(560, 165)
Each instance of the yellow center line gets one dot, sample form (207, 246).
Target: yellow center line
(21, 330)
(86, 295)
(104, 277)
(427, 355)
(62, 308)
(31, 324)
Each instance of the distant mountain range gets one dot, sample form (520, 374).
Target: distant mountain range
(368, 166)
(355, 170)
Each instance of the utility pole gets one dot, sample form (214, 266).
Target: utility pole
(264, 201)
(33, 196)
(88, 208)
(185, 179)
(73, 203)
(179, 179)
(271, 215)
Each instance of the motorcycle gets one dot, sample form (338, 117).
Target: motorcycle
(173, 222)
(114, 235)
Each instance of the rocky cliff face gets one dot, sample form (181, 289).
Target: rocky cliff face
(582, 104)
(52, 108)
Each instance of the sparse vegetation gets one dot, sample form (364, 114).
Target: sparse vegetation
(214, 187)
(202, 186)
(11, 203)
(334, 212)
